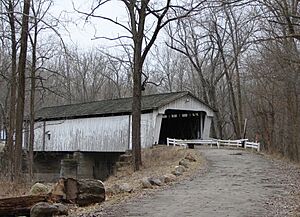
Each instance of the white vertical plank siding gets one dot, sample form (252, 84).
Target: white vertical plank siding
(157, 119)
(207, 125)
(147, 130)
(89, 134)
(103, 134)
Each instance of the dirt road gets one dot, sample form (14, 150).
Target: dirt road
(237, 184)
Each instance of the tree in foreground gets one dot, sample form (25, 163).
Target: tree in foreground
(145, 19)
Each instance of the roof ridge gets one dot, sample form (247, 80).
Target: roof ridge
(83, 103)
(103, 100)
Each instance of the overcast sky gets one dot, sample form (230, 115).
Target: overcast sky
(82, 32)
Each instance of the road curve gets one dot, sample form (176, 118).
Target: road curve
(238, 183)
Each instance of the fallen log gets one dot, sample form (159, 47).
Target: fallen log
(20, 205)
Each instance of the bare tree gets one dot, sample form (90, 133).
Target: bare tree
(139, 13)
(10, 6)
(274, 74)
(21, 90)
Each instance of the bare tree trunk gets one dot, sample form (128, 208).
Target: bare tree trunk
(217, 120)
(136, 116)
(138, 35)
(13, 84)
(32, 103)
(236, 51)
(232, 100)
(21, 91)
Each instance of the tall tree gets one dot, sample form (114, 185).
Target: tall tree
(10, 6)
(140, 14)
(21, 89)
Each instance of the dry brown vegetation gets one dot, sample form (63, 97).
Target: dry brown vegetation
(11, 189)
(157, 161)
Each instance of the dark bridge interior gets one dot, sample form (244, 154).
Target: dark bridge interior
(181, 124)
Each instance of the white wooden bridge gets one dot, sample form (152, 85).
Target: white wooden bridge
(239, 143)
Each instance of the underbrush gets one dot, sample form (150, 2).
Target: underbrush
(157, 161)
(12, 189)
(160, 155)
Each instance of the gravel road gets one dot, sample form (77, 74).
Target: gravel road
(237, 184)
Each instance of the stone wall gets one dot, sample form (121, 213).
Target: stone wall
(50, 166)
(47, 166)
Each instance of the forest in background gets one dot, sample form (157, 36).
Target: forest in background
(239, 57)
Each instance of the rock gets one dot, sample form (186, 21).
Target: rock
(115, 189)
(184, 162)
(155, 181)
(61, 209)
(162, 179)
(39, 189)
(44, 209)
(190, 157)
(125, 187)
(146, 183)
(109, 191)
(179, 170)
(122, 188)
(169, 178)
(2, 147)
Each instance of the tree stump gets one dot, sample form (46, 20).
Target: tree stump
(84, 191)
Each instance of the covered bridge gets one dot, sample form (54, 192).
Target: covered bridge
(105, 126)
(85, 140)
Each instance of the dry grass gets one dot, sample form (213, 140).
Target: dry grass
(160, 155)
(157, 161)
(11, 189)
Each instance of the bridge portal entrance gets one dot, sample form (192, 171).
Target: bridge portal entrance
(181, 124)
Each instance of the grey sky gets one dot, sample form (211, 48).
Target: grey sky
(82, 32)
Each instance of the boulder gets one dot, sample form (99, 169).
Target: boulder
(190, 157)
(169, 178)
(38, 189)
(155, 181)
(146, 183)
(179, 170)
(44, 209)
(126, 188)
(184, 162)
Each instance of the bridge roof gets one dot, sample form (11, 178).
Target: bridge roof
(107, 107)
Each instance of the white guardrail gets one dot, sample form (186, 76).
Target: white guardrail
(218, 142)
